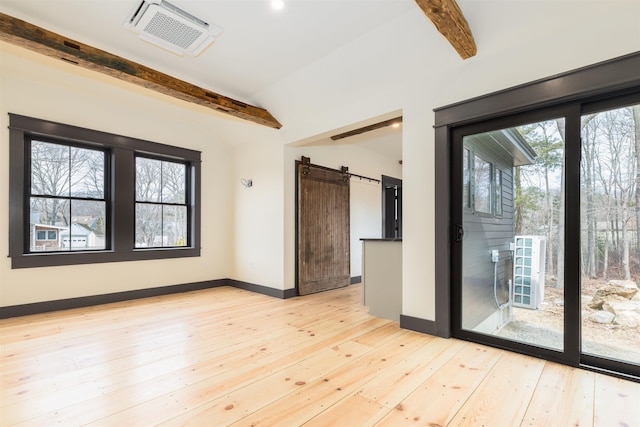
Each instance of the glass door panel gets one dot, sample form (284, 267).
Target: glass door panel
(513, 222)
(610, 249)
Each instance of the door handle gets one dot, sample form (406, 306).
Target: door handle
(459, 233)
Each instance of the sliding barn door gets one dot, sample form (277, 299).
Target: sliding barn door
(322, 228)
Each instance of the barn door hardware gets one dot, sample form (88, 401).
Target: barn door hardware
(306, 163)
(345, 173)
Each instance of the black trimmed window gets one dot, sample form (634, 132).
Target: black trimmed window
(67, 197)
(76, 197)
(162, 211)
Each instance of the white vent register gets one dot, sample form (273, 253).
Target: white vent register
(169, 27)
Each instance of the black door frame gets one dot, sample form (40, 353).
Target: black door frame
(606, 80)
(391, 224)
(571, 113)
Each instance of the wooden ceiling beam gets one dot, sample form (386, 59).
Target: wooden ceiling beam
(38, 39)
(451, 23)
(390, 122)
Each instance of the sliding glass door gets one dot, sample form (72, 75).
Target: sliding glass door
(512, 205)
(546, 249)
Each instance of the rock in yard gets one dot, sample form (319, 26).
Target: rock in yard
(596, 302)
(599, 300)
(629, 319)
(602, 317)
(616, 307)
(626, 312)
(624, 288)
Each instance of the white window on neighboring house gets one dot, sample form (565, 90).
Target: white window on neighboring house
(46, 235)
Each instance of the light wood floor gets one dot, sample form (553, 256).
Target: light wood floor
(229, 357)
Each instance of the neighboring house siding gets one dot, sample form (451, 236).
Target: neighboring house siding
(484, 233)
(46, 242)
(78, 237)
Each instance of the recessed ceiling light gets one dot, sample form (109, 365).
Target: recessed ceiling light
(277, 4)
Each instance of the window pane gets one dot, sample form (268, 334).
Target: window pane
(174, 226)
(465, 179)
(148, 225)
(88, 226)
(148, 180)
(49, 169)
(160, 224)
(45, 217)
(49, 211)
(173, 182)
(511, 272)
(610, 216)
(498, 192)
(482, 185)
(87, 173)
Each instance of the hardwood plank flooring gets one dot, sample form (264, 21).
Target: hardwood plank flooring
(225, 356)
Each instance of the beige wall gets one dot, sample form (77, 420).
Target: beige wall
(387, 70)
(258, 214)
(37, 86)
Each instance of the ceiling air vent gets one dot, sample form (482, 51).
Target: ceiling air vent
(171, 28)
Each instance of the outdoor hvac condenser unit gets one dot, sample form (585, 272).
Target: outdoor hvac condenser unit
(528, 271)
(169, 27)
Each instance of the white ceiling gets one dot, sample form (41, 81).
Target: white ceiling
(262, 51)
(259, 46)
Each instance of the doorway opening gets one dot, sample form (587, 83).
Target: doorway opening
(369, 155)
(391, 207)
(322, 228)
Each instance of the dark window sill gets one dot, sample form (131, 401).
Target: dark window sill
(76, 258)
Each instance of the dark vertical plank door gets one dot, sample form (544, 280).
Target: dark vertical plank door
(323, 229)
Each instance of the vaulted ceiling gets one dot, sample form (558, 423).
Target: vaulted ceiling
(258, 47)
(260, 44)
